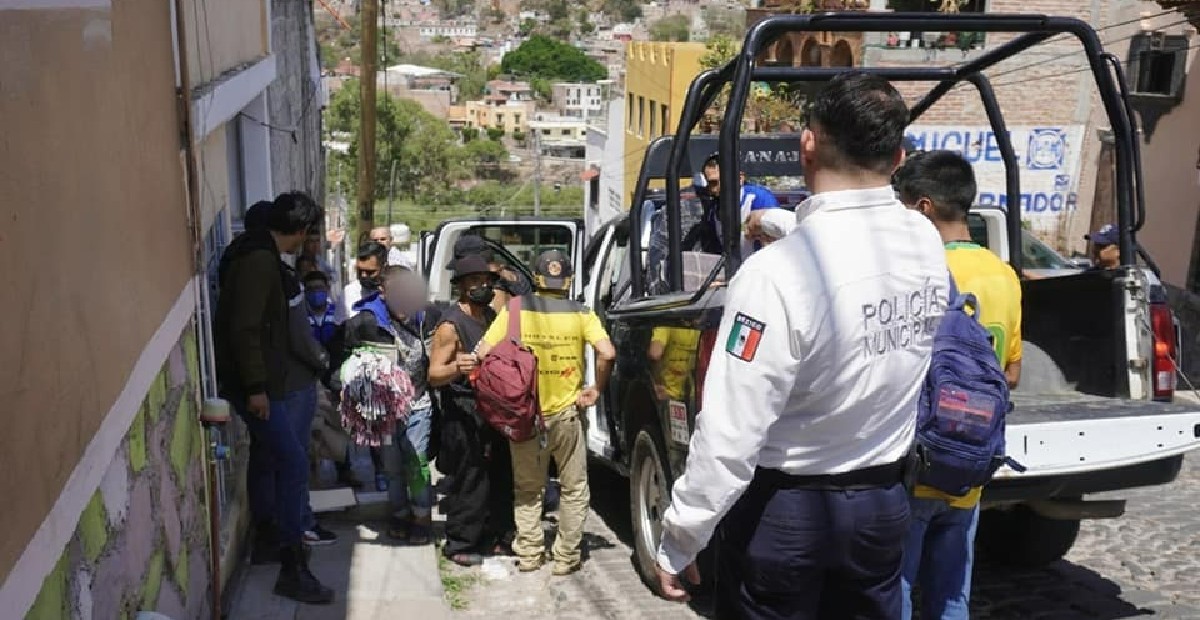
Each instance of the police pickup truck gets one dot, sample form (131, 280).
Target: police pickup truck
(1094, 410)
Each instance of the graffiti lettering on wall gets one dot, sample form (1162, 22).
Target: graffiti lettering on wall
(1048, 160)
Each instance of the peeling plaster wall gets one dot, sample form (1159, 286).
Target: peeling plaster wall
(142, 542)
(295, 101)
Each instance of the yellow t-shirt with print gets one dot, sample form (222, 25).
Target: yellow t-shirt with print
(556, 329)
(996, 287)
(678, 358)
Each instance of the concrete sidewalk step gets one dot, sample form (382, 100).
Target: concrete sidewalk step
(373, 577)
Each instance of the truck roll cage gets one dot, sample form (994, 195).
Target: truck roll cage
(681, 155)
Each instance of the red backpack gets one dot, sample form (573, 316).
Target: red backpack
(506, 389)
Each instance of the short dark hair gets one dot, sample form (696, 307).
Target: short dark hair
(293, 212)
(257, 215)
(373, 249)
(944, 177)
(313, 276)
(863, 118)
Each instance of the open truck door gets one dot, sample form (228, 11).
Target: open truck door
(517, 241)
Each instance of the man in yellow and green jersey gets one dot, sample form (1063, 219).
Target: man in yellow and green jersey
(939, 552)
(557, 330)
(672, 356)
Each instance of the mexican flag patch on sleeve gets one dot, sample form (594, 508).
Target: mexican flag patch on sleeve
(744, 337)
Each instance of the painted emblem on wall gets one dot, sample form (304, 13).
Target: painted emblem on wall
(1047, 149)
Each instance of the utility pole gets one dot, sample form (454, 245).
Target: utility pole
(391, 193)
(537, 173)
(366, 142)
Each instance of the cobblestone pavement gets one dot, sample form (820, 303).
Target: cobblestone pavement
(1146, 564)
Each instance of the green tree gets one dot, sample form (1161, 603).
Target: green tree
(730, 22)
(671, 28)
(527, 27)
(494, 134)
(469, 134)
(485, 157)
(543, 57)
(625, 11)
(425, 149)
(768, 107)
(586, 26)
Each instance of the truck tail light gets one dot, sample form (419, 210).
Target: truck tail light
(708, 339)
(1162, 323)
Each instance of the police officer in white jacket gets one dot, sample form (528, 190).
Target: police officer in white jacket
(809, 411)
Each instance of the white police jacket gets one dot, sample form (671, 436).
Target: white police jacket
(827, 335)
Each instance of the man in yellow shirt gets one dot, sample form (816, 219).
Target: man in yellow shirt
(939, 552)
(557, 329)
(672, 355)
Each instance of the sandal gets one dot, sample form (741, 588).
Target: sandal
(466, 559)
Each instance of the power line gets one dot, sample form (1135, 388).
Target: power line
(1080, 51)
(1071, 72)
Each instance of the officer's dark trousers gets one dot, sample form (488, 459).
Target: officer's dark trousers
(799, 553)
(478, 503)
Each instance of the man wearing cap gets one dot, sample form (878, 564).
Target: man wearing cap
(510, 282)
(473, 456)
(1106, 248)
(557, 329)
(701, 222)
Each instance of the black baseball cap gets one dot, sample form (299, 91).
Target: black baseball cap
(472, 244)
(470, 265)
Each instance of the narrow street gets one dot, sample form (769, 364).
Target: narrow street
(1145, 564)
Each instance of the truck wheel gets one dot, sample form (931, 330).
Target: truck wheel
(1021, 538)
(649, 496)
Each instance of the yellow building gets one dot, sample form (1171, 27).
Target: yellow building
(657, 76)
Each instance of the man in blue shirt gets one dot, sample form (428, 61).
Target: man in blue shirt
(701, 222)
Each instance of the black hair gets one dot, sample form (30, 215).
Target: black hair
(313, 276)
(293, 212)
(257, 215)
(944, 177)
(862, 118)
(392, 271)
(373, 249)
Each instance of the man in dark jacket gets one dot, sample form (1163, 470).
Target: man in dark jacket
(268, 379)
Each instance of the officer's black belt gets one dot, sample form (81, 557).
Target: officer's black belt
(875, 477)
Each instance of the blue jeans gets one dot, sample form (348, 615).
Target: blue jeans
(409, 487)
(277, 476)
(938, 557)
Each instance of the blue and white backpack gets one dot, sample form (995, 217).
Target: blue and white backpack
(965, 399)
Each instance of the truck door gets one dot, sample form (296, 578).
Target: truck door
(602, 263)
(523, 238)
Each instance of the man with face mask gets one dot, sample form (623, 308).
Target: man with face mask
(475, 458)
(256, 372)
(368, 274)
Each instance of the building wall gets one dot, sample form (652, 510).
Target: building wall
(1171, 173)
(227, 33)
(605, 152)
(1042, 88)
(78, 184)
(112, 517)
(657, 73)
(142, 543)
(295, 99)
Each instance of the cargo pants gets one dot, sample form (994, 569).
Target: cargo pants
(565, 444)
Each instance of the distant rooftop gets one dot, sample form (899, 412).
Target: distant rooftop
(419, 71)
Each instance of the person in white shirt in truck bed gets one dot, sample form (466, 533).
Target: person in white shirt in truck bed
(800, 452)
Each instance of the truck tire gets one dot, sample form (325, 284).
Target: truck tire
(649, 496)
(1021, 538)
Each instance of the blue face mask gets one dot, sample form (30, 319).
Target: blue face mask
(317, 299)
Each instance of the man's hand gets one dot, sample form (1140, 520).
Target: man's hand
(259, 405)
(466, 362)
(671, 586)
(587, 397)
(753, 227)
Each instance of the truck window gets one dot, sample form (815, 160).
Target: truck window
(979, 233)
(526, 242)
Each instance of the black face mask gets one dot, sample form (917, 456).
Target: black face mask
(481, 295)
(369, 283)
